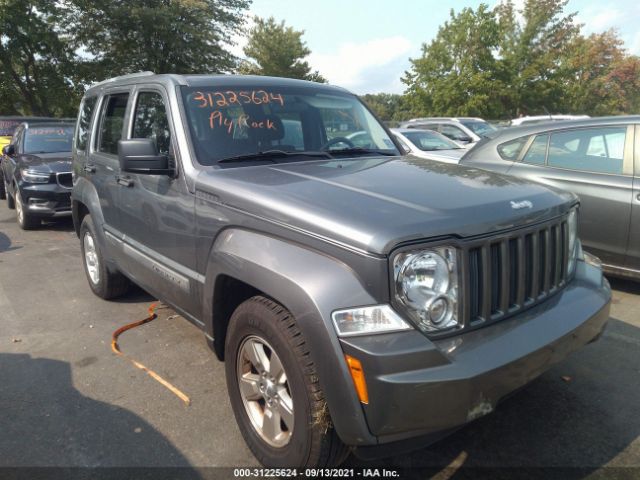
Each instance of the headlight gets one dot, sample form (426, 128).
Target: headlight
(367, 321)
(426, 283)
(572, 224)
(34, 177)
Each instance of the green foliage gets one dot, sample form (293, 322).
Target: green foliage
(163, 36)
(501, 63)
(277, 50)
(387, 106)
(37, 60)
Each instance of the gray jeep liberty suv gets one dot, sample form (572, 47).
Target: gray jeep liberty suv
(362, 301)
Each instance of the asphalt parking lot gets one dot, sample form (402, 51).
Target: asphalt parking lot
(67, 400)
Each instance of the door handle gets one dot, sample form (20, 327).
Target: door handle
(638, 197)
(90, 168)
(124, 181)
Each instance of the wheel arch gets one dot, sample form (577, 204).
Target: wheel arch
(307, 283)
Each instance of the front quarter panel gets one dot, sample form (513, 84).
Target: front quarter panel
(310, 285)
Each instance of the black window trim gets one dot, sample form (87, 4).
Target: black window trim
(95, 133)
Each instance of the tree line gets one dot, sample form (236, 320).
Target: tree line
(51, 51)
(501, 63)
(496, 63)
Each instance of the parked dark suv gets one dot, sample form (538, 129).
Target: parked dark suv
(599, 160)
(36, 172)
(359, 298)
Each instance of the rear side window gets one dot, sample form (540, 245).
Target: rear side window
(598, 150)
(511, 150)
(537, 152)
(84, 120)
(111, 123)
(150, 120)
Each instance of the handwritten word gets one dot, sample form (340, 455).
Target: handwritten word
(218, 120)
(228, 98)
(48, 131)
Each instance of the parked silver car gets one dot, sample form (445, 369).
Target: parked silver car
(598, 159)
(465, 130)
(428, 144)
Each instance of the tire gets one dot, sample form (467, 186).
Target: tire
(25, 220)
(104, 283)
(305, 437)
(3, 187)
(10, 203)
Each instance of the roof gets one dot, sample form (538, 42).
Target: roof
(51, 124)
(172, 80)
(449, 119)
(519, 131)
(408, 130)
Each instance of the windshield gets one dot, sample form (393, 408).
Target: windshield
(481, 129)
(7, 127)
(228, 122)
(430, 141)
(48, 139)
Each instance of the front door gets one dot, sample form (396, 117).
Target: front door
(158, 213)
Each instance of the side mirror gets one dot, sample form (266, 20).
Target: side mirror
(140, 155)
(463, 139)
(9, 150)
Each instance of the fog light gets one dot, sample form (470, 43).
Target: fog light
(438, 309)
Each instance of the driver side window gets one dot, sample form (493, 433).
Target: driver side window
(150, 120)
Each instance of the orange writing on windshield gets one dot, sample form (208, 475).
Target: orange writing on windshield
(219, 99)
(218, 120)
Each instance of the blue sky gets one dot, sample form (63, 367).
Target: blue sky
(364, 45)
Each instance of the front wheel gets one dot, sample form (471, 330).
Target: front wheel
(25, 220)
(274, 389)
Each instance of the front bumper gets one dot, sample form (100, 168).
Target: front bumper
(47, 200)
(419, 387)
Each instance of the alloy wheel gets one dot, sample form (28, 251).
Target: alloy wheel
(265, 391)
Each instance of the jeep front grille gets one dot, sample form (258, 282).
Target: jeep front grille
(505, 274)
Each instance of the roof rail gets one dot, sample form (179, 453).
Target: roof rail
(123, 77)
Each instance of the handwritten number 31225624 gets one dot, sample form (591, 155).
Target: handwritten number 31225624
(225, 99)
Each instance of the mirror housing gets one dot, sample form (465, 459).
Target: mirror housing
(140, 155)
(9, 150)
(464, 139)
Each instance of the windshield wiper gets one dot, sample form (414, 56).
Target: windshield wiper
(271, 155)
(360, 150)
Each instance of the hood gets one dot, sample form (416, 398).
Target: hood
(450, 156)
(373, 204)
(46, 162)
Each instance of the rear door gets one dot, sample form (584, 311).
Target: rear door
(633, 251)
(596, 163)
(103, 166)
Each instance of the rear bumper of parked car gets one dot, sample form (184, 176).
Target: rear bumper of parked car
(422, 388)
(49, 200)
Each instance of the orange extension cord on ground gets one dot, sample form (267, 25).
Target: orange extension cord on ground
(151, 373)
